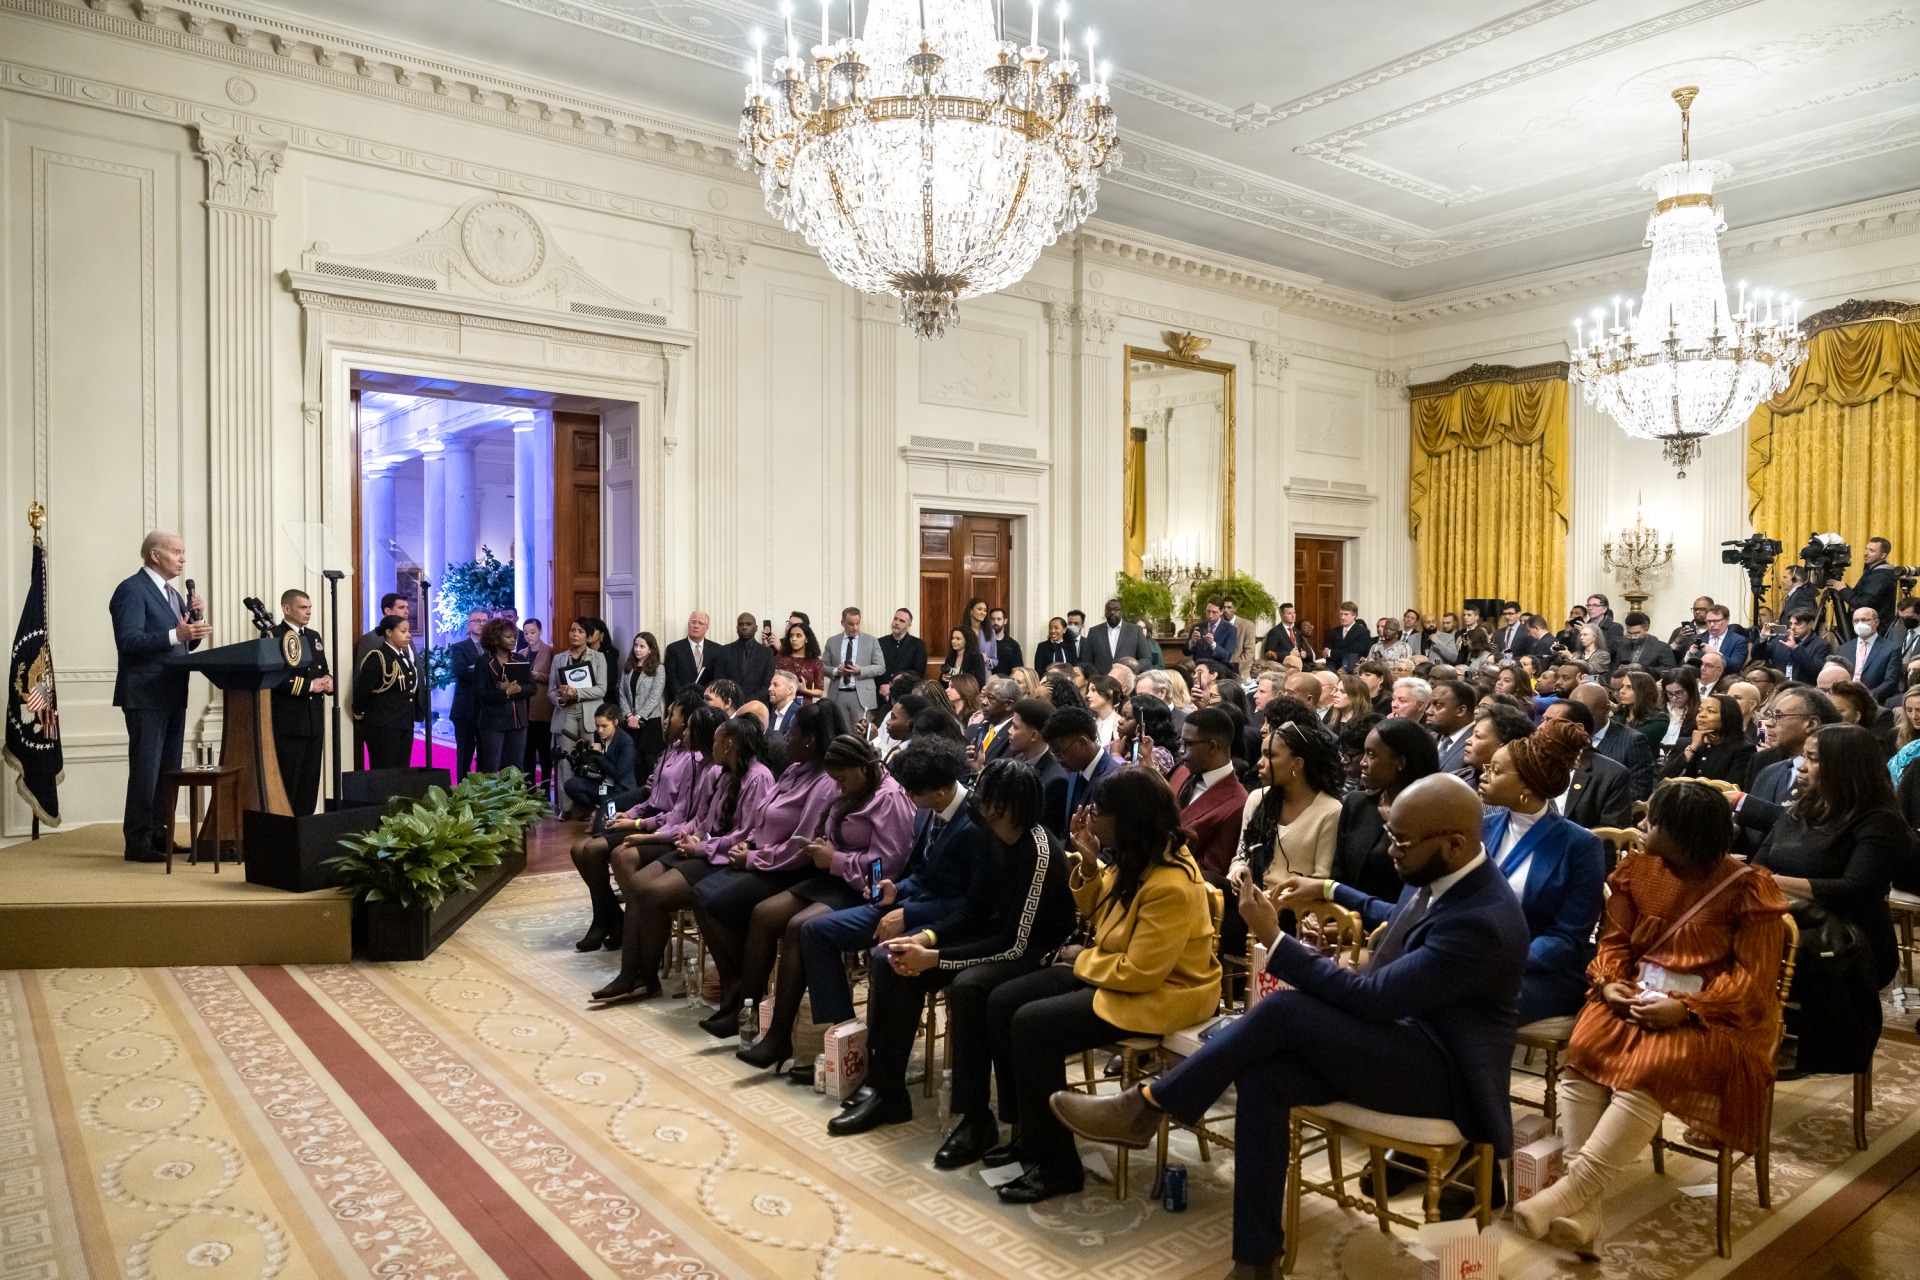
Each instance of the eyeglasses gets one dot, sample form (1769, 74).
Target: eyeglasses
(1396, 842)
(1768, 717)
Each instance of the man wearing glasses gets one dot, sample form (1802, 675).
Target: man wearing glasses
(1786, 724)
(1425, 1030)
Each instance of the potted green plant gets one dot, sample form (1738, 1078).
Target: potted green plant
(1148, 601)
(1253, 600)
(481, 583)
(433, 862)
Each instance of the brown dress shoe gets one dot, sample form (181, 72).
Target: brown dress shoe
(1125, 1119)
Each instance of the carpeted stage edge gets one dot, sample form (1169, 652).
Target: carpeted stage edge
(71, 900)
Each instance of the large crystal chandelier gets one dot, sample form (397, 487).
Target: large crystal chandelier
(1685, 365)
(930, 157)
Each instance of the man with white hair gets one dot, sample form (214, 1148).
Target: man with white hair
(151, 623)
(1329, 682)
(1411, 695)
(689, 663)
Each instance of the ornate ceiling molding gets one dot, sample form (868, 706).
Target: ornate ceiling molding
(1474, 374)
(1859, 311)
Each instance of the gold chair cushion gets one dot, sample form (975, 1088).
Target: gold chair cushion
(1405, 1130)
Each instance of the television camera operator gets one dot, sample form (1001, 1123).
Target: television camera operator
(1878, 585)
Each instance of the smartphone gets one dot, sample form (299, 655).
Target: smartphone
(1136, 750)
(873, 882)
(613, 810)
(766, 627)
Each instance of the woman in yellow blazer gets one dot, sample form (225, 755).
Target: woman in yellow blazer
(1149, 968)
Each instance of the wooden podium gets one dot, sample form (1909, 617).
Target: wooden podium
(246, 672)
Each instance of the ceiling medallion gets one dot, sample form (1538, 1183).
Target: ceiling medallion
(1687, 366)
(503, 242)
(930, 157)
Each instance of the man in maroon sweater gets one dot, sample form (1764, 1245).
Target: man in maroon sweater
(1211, 802)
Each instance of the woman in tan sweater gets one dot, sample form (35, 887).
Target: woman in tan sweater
(1148, 968)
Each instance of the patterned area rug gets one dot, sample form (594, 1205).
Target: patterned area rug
(470, 1117)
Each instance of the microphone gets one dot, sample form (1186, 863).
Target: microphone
(193, 614)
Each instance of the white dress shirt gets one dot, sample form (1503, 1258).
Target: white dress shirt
(1518, 824)
(1438, 888)
(173, 633)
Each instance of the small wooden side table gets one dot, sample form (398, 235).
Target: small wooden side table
(221, 830)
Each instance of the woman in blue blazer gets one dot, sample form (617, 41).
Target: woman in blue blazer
(1558, 869)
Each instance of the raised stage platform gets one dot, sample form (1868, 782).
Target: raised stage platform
(71, 900)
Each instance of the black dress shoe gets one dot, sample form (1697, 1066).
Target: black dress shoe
(770, 1051)
(858, 1096)
(1036, 1185)
(723, 1022)
(800, 1073)
(1007, 1152)
(595, 939)
(147, 856)
(972, 1138)
(1398, 1179)
(881, 1108)
(1456, 1202)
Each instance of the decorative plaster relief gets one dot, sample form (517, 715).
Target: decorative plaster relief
(976, 368)
(1327, 422)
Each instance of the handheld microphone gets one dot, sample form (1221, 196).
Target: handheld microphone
(193, 614)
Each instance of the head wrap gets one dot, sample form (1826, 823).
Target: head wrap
(1545, 761)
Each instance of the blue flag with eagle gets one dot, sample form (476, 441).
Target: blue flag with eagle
(33, 715)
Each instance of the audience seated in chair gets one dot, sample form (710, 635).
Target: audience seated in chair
(1717, 746)
(1425, 1030)
(1149, 968)
(1557, 869)
(1600, 792)
(593, 855)
(1017, 910)
(1396, 754)
(1682, 1015)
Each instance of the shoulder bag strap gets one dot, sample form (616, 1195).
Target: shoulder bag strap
(1744, 870)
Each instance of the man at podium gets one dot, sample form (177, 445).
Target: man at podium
(152, 622)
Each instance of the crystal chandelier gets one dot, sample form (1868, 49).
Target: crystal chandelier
(1686, 366)
(930, 158)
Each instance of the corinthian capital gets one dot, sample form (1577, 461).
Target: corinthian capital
(717, 262)
(240, 169)
(1269, 362)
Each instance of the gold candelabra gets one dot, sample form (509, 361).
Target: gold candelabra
(1633, 554)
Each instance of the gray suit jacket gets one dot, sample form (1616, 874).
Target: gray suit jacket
(1095, 649)
(866, 655)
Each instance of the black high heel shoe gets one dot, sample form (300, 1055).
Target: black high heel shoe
(595, 938)
(724, 1022)
(769, 1053)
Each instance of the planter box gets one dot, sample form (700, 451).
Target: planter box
(402, 933)
(291, 853)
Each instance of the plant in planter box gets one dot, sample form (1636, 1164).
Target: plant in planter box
(1142, 600)
(1253, 600)
(506, 801)
(420, 856)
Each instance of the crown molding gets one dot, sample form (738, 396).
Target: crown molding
(1475, 374)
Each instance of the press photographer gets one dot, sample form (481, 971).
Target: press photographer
(1878, 584)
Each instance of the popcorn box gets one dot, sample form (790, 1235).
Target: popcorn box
(1530, 1128)
(1457, 1251)
(1261, 984)
(766, 1017)
(1537, 1166)
(846, 1051)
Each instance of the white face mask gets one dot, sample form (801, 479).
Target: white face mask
(1863, 629)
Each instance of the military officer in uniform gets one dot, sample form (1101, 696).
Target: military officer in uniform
(300, 702)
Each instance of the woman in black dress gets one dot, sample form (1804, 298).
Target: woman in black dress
(1398, 753)
(1717, 747)
(1834, 851)
(389, 696)
(963, 656)
(503, 702)
(1057, 647)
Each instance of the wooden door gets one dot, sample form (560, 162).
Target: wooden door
(961, 556)
(576, 521)
(1319, 570)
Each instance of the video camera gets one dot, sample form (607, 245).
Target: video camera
(1826, 557)
(1754, 553)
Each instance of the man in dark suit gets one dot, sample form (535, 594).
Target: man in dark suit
(783, 702)
(1425, 1030)
(1877, 586)
(1601, 792)
(1801, 652)
(1688, 632)
(1873, 655)
(692, 662)
(1535, 639)
(1639, 647)
(1107, 642)
(1613, 741)
(1785, 725)
(1286, 637)
(1450, 718)
(464, 657)
(151, 623)
(988, 740)
(748, 662)
(1006, 649)
(1349, 643)
(1215, 639)
(300, 703)
(1511, 631)
(1801, 594)
(1720, 637)
(1027, 736)
(1074, 739)
(904, 653)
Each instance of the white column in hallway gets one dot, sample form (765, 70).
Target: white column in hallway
(379, 563)
(433, 530)
(527, 503)
(462, 500)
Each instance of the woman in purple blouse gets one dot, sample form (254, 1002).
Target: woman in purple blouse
(770, 857)
(593, 854)
(664, 886)
(872, 821)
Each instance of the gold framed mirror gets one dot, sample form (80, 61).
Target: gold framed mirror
(1178, 476)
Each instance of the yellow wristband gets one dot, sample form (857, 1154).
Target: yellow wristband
(1326, 890)
(928, 935)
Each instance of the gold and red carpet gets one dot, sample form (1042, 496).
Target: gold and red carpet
(470, 1117)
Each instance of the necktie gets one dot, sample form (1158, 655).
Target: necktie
(1395, 941)
(986, 743)
(1189, 789)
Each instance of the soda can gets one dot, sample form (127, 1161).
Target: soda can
(819, 1073)
(1173, 1189)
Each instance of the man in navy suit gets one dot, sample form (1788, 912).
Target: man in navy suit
(151, 623)
(1216, 638)
(1027, 739)
(1616, 742)
(1873, 655)
(1426, 1030)
(1450, 719)
(1802, 651)
(1074, 739)
(1721, 638)
(465, 656)
(938, 871)
(988, 741)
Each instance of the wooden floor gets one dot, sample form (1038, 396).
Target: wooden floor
(1884, 1244)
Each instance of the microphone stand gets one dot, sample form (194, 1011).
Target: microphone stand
(333, 577)
(426, 663)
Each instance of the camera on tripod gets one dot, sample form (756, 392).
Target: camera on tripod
(1826, 557)
(1754, 553)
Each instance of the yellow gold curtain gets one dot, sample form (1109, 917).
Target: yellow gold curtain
(1488, 492)
(1839, 449)
(1134, 507)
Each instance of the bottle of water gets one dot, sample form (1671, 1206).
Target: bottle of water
(749, 1023)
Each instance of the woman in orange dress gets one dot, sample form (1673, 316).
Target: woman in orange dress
(1683, 1016)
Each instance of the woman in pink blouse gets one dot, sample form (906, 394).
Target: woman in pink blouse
(871, 822)
(664, 886)
(593, 855)
(770, 858)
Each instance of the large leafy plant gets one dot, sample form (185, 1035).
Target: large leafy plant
(484, 583)
(1141, 599)
(426, 850)
(1252, 599)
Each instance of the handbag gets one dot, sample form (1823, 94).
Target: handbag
(1652, 976)
(1834, 944)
